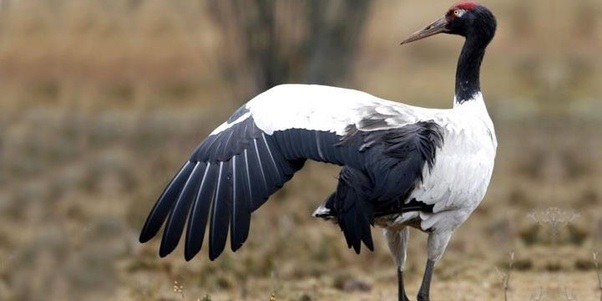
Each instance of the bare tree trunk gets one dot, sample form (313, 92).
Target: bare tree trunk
(270, 42)
(334, 40)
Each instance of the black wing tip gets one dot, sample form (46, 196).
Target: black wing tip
(357, 248)
(164, 204)
(168, 244)
(222, 148)
(166, 249)
(145, 236)
(191, 248)
(188, 256)
(238, 238)
(369, 243)
(216, 247)
(150, 229)
(163, 253)
(214, 255)
(235, 248)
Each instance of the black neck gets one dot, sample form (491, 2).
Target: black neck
(469, 66)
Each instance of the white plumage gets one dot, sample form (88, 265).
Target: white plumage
(460, 176)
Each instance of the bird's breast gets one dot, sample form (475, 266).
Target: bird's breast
(458, 180)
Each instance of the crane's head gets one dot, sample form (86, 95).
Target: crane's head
(466, 18)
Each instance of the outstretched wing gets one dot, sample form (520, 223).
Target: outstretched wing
(228, 176)
(246, 159)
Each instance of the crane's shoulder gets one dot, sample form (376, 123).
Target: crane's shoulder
(325, 108)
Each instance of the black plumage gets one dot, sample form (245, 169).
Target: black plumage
(233, 172)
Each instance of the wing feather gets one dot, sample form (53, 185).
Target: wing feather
(246, 159)
(195, 231)
(163, 205)
(177, 216)
(241, 213)
(220, 210)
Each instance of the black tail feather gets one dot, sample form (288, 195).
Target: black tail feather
(354, 209)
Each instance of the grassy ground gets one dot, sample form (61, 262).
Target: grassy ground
(101, 102)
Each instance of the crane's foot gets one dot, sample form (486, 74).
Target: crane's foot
(423, 298)
(403, 297)
(401, 289)
(425, 287)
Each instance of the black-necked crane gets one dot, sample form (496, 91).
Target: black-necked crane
(402, 166)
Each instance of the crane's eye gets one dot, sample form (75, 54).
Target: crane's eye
(459, 12)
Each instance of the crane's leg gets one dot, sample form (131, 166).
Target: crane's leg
(437, 242)
(398, 245)
(425, 287)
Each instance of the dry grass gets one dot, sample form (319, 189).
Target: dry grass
(102, 101)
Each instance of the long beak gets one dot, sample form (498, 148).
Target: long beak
(432, 29)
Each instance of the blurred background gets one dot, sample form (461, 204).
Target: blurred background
(102, 100)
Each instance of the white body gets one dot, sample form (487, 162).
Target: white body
(463, 166)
